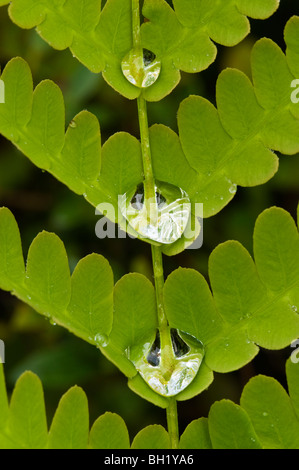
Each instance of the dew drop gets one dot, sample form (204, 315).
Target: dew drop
(233, 189)
(265, 413)
(180, 348)
(73, 124)
(101, 340)
(141, 67)
(169, 375)
(153, 357)
(163, 220)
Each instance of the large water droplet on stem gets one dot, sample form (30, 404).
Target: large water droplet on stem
(163, 220)
(169, 372)
(141, 67)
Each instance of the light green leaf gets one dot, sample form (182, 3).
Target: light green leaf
(109, 431)
(81, 155)
(12, 270)
(27, 425)
(277, 262)
(230, 427)
(169, 161)
(91, 303)
(121, 165)
(135, 318)
(240, 114)
(186, 293)
(46, 126)
(47, 274)
(16, 111)
(196, 435)
(271, 413)
(235, 300)
(69, 428)
(257, 9)
(292, 42)
(152, 437)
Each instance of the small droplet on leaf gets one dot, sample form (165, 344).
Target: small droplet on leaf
(163, 220)
(141, 67)
(101, 340)
(153, 357)
(73, 124)
(168, 372)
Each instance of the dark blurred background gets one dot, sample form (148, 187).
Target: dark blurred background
(39, 202)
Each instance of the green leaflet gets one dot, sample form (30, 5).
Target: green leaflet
(134, 320)
(245, 309)
(230, 427)
(47, 274)
(11, 256)
(109, 431)
(26, 425)
(70, 425)
(271, 410)
(196, 435)
(101, 39)
(152, 437)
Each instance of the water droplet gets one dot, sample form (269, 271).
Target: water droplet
(28, 296)
(53, 322)
(101, 340)
(265, 413)
(180, 348)
(141, 67)
(153, 357)
(233, 189)
(169, 372)
(294, 308)
(73, 124)
(163, 220)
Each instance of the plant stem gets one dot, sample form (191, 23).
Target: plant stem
(136, 23)
(152, 213)
(166, 345)
(172, 423)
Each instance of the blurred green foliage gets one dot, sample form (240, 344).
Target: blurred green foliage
(39, 202)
